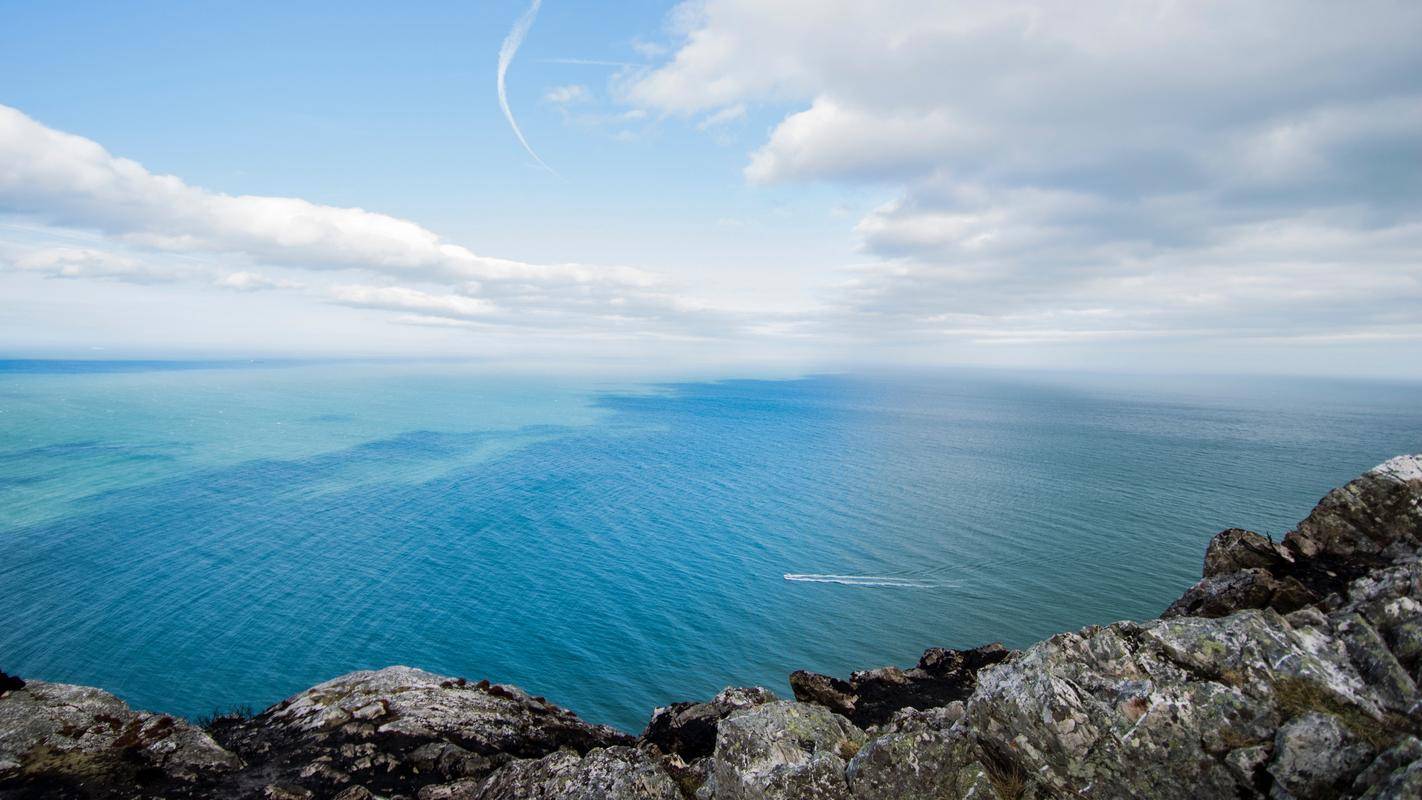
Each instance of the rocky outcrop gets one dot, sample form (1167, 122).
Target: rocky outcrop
(688, 730)
(1368, 524)
(872, 697)
(397, 730)
(613, 773)
(780, 751)
(58, 740)
(1291, 671)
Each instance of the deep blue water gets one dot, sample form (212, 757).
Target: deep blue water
(200, 537)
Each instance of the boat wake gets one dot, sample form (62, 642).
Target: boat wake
(862, 580)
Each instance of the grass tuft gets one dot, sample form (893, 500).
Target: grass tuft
(1298, 696)
(218, 717)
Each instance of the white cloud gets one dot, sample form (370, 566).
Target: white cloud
(67, 182)
(1195, 169)
(70, 181)
(398, 298)
(724, 116)
(254, 282)
(831, 141)
(87, 262)
(568, 95)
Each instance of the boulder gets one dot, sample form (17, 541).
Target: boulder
(399, 729)
(1254, 587)
(782, 751)
(1316, 756)
(58, 740)
(688, 730)
(871, 697)
(10, 683)
(613, 773)
(1367, 522)
(1395, 774)
(1371, 523)
(1236, 549)
(1185, 707)
(922, 756)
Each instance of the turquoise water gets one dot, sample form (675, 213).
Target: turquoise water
(211, 535)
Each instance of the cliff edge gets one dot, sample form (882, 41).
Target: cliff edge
(1290, 670)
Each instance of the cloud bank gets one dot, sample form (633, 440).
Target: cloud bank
(1096, 170)
(145, 220)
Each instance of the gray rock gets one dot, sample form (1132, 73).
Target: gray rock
(1182, 707)
(1392, 767)
(400, 729)
(614, 773)
(1369, 524)
(916, 764)
(1367, 521)
(688, 730)
(62, 737)
(1377, 665)
(780, 751)
(1315, 756)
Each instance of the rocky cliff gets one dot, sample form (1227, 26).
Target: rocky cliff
(1290, 670)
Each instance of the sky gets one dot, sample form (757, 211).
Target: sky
(731, 184)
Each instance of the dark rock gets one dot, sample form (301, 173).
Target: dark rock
(871, 697)
(1255, 587)
(1369, 524)
(398, 729)
(832, 693)
(688, 730)
(10, 683)
(1395, 773)
(1236, 549)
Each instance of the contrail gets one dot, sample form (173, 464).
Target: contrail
(506, 55)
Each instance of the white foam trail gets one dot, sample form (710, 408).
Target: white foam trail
(860, 580)
(506, 56)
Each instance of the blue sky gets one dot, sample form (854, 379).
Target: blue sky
(809, 185)
(393, 109)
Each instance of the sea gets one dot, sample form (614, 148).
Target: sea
(201, 536)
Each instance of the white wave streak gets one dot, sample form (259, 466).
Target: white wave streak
(506, 56)
(860, 580)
